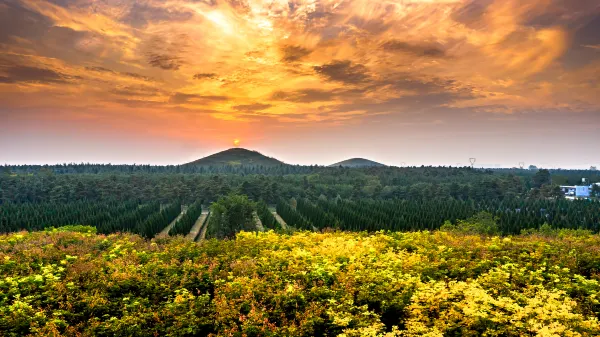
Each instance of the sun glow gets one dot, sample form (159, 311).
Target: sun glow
(220, 20)
(236, 142)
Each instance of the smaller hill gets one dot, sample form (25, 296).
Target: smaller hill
(357, 163)
(237, 157)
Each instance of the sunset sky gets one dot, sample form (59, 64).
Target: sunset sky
(306, 81)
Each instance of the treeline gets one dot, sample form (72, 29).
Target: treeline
(187, 221)
(375, 183)
(512, 216)
(30, 216)
(266, 217)
(291, 216)
(156, 222)
(73, 168)
(144, 219)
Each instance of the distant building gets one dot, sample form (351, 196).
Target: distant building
(576, 191)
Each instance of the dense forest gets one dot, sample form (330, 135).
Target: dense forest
(50, 185)
(144, 199)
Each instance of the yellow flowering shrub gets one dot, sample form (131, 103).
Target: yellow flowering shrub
(78, 283)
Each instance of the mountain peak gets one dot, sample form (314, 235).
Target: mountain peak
(357, 163)
(237, 156)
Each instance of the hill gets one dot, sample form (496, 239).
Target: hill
(357, 163)
(237, 157)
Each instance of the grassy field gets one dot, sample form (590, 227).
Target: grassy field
(74, 282)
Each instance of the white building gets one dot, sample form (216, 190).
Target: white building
(576, 191)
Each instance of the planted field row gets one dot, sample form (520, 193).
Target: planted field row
(109, 217)
(36, 216)
(291, 216)
(511, 216)
(266, 217)
(155, 222)
(185, 223)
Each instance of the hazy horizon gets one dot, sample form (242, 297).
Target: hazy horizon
(420, 82)
(466, 162)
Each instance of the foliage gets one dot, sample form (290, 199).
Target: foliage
(316, 215)
(230, 215)
(266, 217)
(156, 222)
(481, 223)
(291, 216)
(541, 178)
(511, 215)
(64, 283)
(547, 230)
(74, 228)
(36, 216)
(130, 220)
(35, 184)
(595, 190)
(187, 221)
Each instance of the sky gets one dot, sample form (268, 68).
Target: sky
(405, 82)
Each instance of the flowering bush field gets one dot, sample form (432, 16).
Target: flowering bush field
(74, 282)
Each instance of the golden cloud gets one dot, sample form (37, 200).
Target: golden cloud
(307, 60)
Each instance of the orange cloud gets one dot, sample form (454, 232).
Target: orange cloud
(310, 61)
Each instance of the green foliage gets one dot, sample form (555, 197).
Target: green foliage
(595, 191)
(291, 216)
(541, 178)
(317, 216)
(266, 217)
(482, 223)
(230, 215)
(547, 230)
(72, 283)
(187, 221)
(129, 221)
(36, 216)
(156, 222)
(74, 228)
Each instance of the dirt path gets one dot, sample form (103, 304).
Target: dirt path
(165, 231)
(197, 226)
(259, 225)
(203, 230)
(280, 220)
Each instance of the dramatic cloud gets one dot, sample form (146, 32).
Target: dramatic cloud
(304, 95)
(416, 49)
(164, 61)
(252, 107)
(200, 76)
(343, 71)
(304, 60)
(179, 98)
(294, 53)
(16, 74)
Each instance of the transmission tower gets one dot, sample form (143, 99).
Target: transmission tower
(521, 165)
(472, 160)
